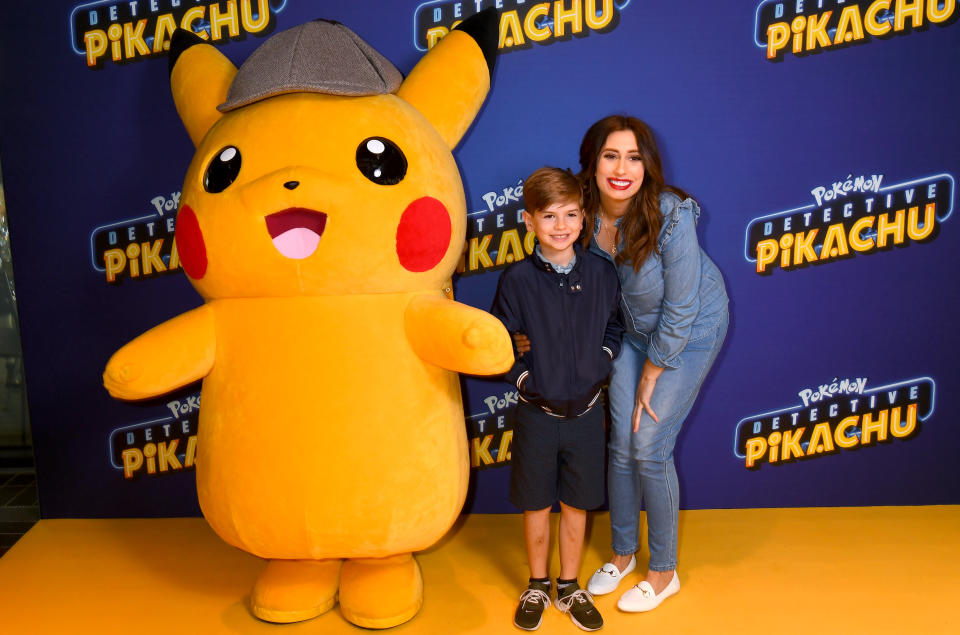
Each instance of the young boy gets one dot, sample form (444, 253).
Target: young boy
(566, 301)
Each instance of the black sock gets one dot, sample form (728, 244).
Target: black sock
(540, 580)
(562, 584)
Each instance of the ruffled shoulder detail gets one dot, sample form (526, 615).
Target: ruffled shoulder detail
(671, 206)
(674, 210)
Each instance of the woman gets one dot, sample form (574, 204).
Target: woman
(675, 313)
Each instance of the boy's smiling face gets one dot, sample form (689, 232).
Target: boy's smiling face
(557, 227)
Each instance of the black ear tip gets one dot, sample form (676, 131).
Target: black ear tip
(181, 40)
(484, 28)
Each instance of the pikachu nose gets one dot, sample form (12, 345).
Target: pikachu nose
(291, 185)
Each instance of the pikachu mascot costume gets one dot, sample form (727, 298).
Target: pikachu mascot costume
(321, 218)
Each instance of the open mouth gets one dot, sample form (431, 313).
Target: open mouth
(296, 231)
(619, 184)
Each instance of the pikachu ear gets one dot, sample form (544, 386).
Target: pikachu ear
(200, 77)
(449, 84)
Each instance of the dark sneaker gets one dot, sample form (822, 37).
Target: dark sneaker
(579, 604)
(533, 602)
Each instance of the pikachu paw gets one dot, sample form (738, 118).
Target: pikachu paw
(120, 375)
(491, 345)
(481, 334)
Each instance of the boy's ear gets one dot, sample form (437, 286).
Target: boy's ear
(449, 84)
(528, 220)
(200, 77)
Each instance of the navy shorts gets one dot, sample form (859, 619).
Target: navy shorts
(557, 459)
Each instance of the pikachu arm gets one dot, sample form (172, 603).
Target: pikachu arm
(457, 337)
(173, 354)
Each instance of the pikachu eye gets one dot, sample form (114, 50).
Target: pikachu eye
(222, 171)
(381, 161)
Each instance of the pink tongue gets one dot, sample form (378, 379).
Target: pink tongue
(297, 243)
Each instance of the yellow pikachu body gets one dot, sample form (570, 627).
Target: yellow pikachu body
(332, 426)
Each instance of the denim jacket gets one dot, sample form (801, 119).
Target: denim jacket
(678, 294)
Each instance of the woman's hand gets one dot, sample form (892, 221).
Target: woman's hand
(521, 342)
(648, 381)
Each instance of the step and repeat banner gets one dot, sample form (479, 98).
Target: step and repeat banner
(820, 137)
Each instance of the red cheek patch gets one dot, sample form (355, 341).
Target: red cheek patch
(423, 234)
(190, 246)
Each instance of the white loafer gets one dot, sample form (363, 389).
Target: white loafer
(641, 597)
(607, 578)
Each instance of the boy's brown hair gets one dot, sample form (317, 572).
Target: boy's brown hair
(548, 186)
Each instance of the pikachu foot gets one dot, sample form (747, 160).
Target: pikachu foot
(381, 592)
(295, 590)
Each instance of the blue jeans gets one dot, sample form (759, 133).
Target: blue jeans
(641, 464)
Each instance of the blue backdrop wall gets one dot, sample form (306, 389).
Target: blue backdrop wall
(820, 138)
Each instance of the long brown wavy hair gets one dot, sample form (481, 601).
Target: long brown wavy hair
(641, 224)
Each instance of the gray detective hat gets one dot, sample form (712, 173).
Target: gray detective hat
(316, 57)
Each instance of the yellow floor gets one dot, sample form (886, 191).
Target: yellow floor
(810, 571)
